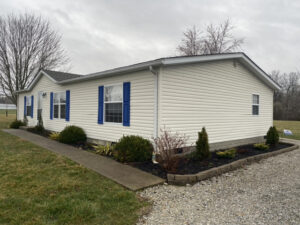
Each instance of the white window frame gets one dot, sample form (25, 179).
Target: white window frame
(255, 104)
(104, 103)
(59, 104)
(28, 99)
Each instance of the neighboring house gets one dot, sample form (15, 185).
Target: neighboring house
(227, 93)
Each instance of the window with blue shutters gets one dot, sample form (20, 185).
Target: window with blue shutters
(114, 104)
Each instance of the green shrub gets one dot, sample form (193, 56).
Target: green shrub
(72, 135)
(106, 150)
(230, 153)
(272, 137)
(16, 124)
(202, 146)
(261, 146)
(54, 136)
(133, 149)
(38, 129)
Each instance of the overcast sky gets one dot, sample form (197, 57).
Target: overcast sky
(99, 35)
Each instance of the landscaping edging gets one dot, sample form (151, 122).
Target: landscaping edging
(179, 179)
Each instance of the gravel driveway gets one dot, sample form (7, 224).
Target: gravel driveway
(262, 193)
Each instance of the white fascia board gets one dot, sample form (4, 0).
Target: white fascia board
(196, 59)
(260, 73)
(113, 72)
(36, 79)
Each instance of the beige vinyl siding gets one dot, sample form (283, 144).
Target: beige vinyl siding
(217, 95)
(84, 106)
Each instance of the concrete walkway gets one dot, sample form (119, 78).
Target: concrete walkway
(131, 178)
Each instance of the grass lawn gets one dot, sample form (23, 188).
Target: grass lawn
(294, 126)
(39, 187)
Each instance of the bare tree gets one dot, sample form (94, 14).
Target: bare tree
(216, 39)
(219, 39)
(27, 45)
(286, 101)
(191, 44)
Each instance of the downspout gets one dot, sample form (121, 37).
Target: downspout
(155, 73)
(155, 130)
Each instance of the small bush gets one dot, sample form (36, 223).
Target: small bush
(272, 137)
(106, 150)
(261, 146)
(230, 153)
(133, 149)
(16, 124)
(38, 129)
(167, 144)
(72, 135)
(202, 146)
(54, 136)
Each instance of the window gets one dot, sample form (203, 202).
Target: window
(59, 105)
(255, 104)
(28, 106)
(113, 103)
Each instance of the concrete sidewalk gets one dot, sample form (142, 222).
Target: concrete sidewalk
(131, 178)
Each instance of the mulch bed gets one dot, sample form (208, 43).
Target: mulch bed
(190, 166)
(186, 164)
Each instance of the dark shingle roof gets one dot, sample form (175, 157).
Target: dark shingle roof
(60, 76)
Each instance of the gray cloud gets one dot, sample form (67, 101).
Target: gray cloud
(100, 35)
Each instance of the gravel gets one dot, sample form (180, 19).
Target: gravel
(262, 193)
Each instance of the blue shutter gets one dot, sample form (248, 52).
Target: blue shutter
(25, 109)
(100, 105)
(51, 106)
(67, 105)
(32, 101)
(126, 104)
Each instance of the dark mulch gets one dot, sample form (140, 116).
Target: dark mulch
(44, 133)
(190, 166)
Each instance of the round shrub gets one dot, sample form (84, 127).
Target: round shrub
(261, 146)
(133, 149)
(72, 135)
(16, 124)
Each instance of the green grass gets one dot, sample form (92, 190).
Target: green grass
(10, 111)
(294, 126)
(39, 187)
